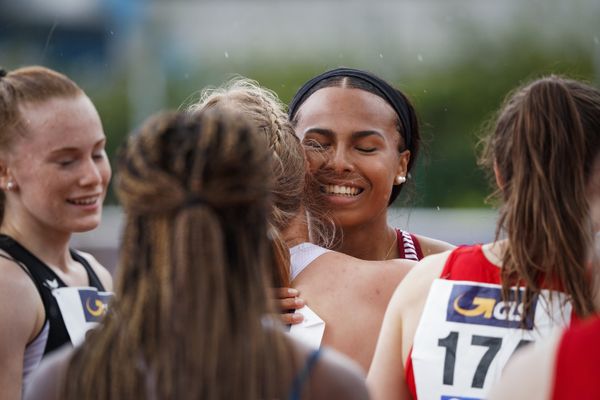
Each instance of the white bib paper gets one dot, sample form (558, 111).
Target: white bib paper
(81, 308)
(310, 330)
(467, 334)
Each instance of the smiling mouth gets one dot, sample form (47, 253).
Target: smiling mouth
(85, 201)
(340, 190)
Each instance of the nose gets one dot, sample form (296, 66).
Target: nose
(339, 160)
(90, 174)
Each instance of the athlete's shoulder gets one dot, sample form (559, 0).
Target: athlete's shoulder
(431, 246)
(416, 284)
(14, 276)
(103, 274)
(529, 373)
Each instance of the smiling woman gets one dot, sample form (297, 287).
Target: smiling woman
(362, 139)
(53, 175)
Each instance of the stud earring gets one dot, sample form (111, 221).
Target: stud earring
(400, 179)
(10, 186)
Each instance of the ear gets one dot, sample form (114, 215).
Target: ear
(402, 168)
(7, 181)
(4, 173)
(498, 176)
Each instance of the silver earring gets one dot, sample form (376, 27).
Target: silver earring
(400, 179)
(10, 186)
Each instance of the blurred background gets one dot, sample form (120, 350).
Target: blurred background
(456, 59)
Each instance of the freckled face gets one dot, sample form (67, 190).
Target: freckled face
(351, 139)
(59, 166)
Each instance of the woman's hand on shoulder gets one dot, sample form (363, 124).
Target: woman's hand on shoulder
(288, 301)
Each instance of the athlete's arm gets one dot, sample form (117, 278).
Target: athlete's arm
(529, 374)
(431, 246)
(21, 319)
(386, 377)
(47, 381)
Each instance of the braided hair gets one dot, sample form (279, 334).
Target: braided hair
(188, 320)
(263, 108)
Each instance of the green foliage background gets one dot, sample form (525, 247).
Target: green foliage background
(453, 101)
(454, 97)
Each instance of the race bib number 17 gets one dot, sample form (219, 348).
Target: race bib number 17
(467, 334)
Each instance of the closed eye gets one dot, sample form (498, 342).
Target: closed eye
(99, 156)
(65, 163)
(366, 149)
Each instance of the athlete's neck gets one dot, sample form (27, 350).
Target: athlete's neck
(369, 242)
(51, 249)
(494, 251)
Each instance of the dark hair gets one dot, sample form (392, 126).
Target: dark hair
(407, 124)
(192, 293)
(546, 138)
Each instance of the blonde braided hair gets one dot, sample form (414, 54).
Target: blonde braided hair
(291, 179)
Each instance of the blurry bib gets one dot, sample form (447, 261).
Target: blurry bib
(467, 334)
(81, 308)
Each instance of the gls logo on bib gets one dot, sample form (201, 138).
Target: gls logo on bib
(475, 304)
(94, 304)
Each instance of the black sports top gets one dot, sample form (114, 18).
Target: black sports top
(45, 281)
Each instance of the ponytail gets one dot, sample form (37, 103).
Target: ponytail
(541, 149)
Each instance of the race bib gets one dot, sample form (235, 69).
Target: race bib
(467, 334)
(81, 308)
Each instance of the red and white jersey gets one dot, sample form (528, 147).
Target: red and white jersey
(467, 332)
(409, 247)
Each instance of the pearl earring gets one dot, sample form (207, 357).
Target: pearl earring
(400, 179)
(10, 186)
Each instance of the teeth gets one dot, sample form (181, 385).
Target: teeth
(84, 202)
(341, 190)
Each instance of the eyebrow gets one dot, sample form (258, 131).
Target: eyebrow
(75, 149)
(355, 135)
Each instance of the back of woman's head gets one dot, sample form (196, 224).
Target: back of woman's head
(27, 86)
(407, 122)
(545, 141)
(192, 281)
(265, 111)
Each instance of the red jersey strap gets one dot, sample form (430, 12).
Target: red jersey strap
(409, 374)
(409, 247)
(577, 368)
(468, 263)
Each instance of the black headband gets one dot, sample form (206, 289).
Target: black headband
(395, 99)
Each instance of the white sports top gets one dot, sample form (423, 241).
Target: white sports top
(34, 353)
(302, 255)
